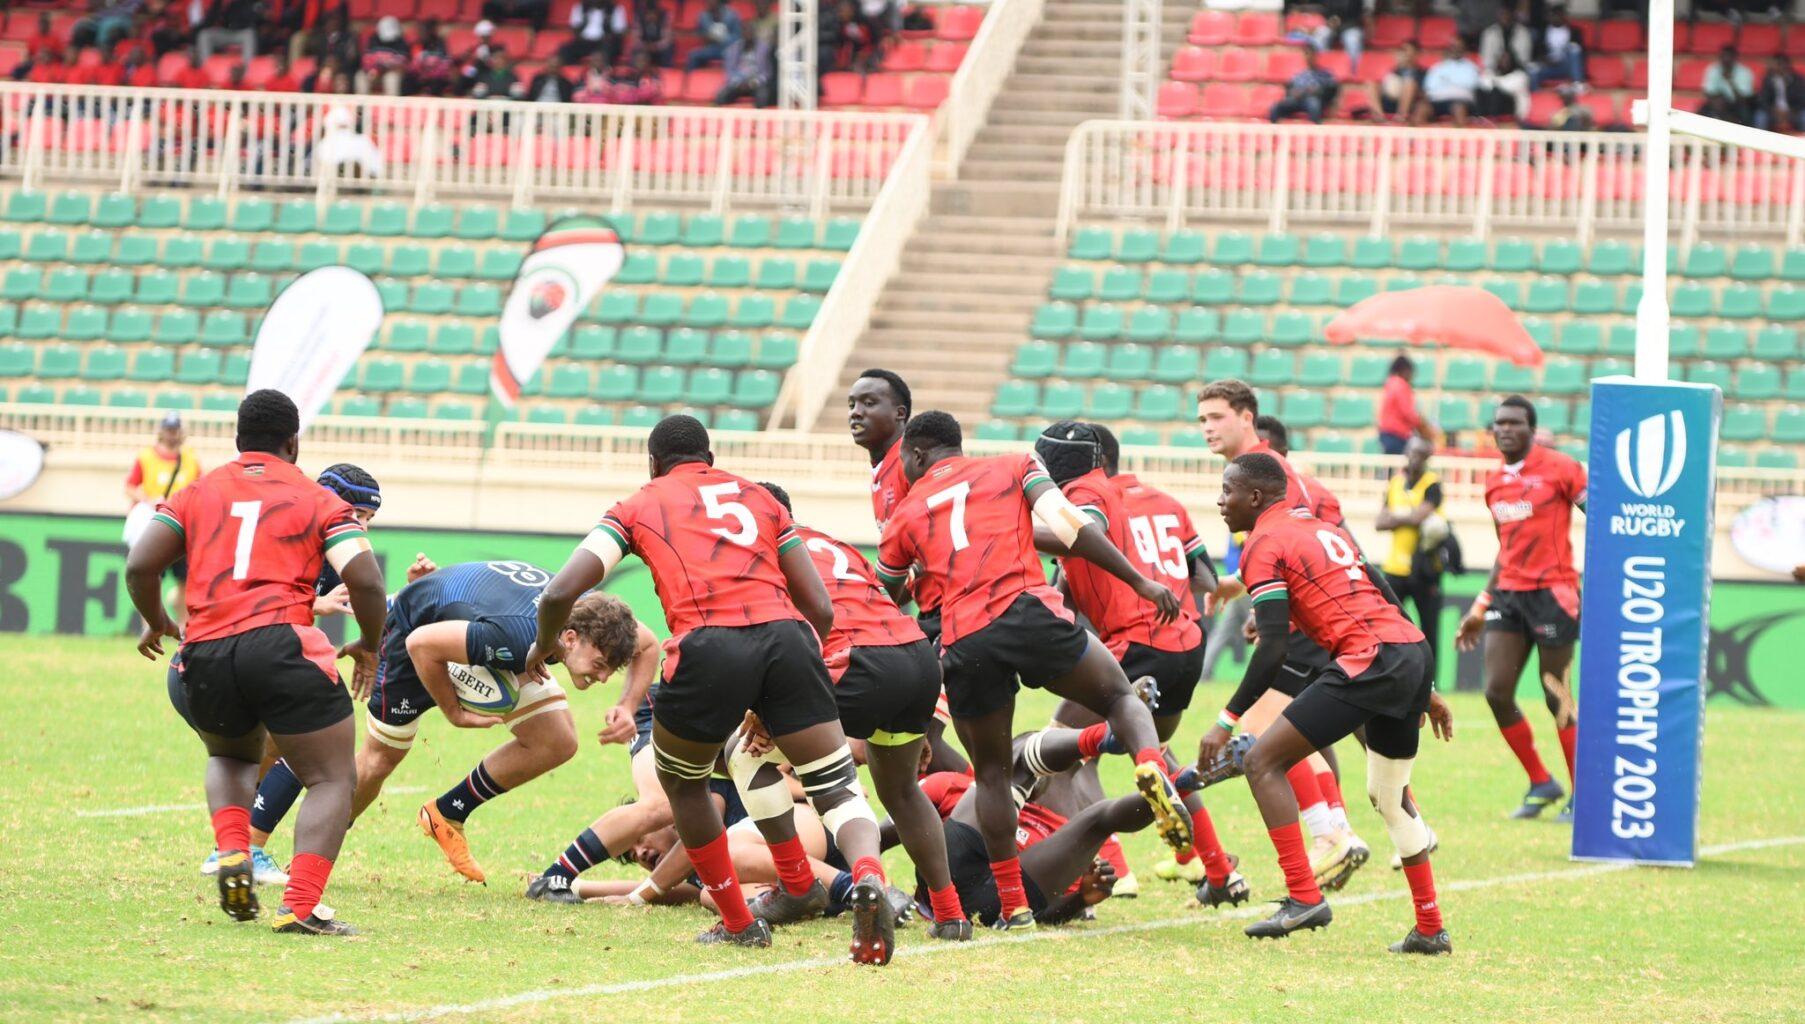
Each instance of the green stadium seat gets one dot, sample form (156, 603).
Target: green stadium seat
(1509, 378)
(478, 300)
(70, 209)
(776, 352)
(615, 384)
(1325, 250)
(455, 261)
(456, 412)
(1224, 362)
(48, 247)
(1371, 252)
(522, 225)
(1243, 327)
(1035, 359)
(1352, 288)
(838, 234)
(792, 233)
(1167, 286)
(222, 328)
(12, 244)
(90, 247)
(297, 217)
(1621, 341)
(433, 298)
(546, 416)
(250, 291)
(1083, 359)
(1508, 290)
(157, 288)
(406, 409)
(682, 270)
(406, 336)
(661, 309)
(1743, 423)
(472, 378)
(1593, 297)
(1302, 410)
(202, 290)
(594, 416)
(235, 370)
(1792, 265)
(1418, 252)
(38, 321)
(1183, 248)
(85, 323)
(270, 256)
(1403, 282)
(1705, 260)
(1691, 300)
(1015, 398)
(21, 283)
(1464, 254)
(1150, 325)
(1213, 287)
(1739, 301)
(159, 212)
(658, 227)
(26, 207)
(639, 345)
(1196, 326)
(432, 221)
(1563, 377)
(1774, 342)
(81, 395)
(1540, 331)
(129, 324)
(1061, 400)
(1609, 368)
(707, 310)
(750, 231)
(1118, 284)
(1683, 341)
(1291, 329)
(1176, 364)
(382, 376)
(640, 416)
(995, 430)
(1546, 295)
(363, 257)
(703, 231)
(16, 360)
(1137, 245)
(1159, 404)
(177, 327)
(1109, 402)
(640, 267)
(736, 420)
(729, 349)
(179, 253)
(1726, 341)
(1776, 458)
(1752, 263)
(1612, 259)
(499, 264)
(1278, 251)
(152, 365)
(410, 261)
(1271, 368)
(205, 213)
(477, 223)
(1789, 428)
(1054, 320)
(1101, 322)
(731, 271)
(755, 389)
(453, 339)
(127, 398)
(1312, 290)
(775, 273)
(358, 405)
(1704, 372)
(1757, 382)
(35, 394)
(1457, 413)
(59, 362)
(198, 367)
(1320, 370)
(685, 346)
(1232, 249)
(429, 377)
(1561, 256)
(1513, 256)
(1129, 363)
(1351, 410)
(1785, 302)
(616, 307)
(820, 276)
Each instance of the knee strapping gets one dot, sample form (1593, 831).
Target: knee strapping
(761, 786)
(832, 785)
(1031, 755)
(1386, 780)
(671, 764)
(400, 737)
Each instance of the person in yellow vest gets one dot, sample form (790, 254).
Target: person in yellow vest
(1414, 565)
(159, 473)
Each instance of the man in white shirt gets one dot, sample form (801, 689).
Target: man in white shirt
(1449, 88)
(1563, 56)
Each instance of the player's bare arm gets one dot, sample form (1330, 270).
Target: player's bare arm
(583, 570)
(1440, 716)
(432, 648)
(641, 670)
(362, 583)
(157, 549)
(1085, 539)
(1467, 637)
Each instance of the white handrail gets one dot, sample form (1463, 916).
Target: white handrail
(987, 64)
(1384, 178)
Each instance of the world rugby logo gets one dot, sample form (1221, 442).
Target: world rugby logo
(1651, 454)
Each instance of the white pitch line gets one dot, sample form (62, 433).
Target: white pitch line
(133, 812)
(1039, 935)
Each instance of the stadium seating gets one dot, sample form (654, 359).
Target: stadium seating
(706, 315)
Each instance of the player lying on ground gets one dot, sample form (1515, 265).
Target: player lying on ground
(255, 532)
(740, 593)
(1303, 571)
(1001, 622)
(1532, 597)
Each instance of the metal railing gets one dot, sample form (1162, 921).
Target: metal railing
(1383, 178)
(420, 148)
(988, 62)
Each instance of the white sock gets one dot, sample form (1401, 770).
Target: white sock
(1338, 816)
(1318, 820)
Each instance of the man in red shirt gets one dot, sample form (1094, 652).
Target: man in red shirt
(1398, 420)
(1533, 594)
(1302, 570)
(51, 69)
(254, 532)
(1001, 622)
(191, 75)
(886, 677)
(740, 592)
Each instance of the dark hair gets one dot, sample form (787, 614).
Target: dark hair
(934, 429)
(1263, 471)
(267, 420)
(357, 487)
(898, 389)
(1274, 428)
(1403, 364)
(678, 437)
(1236, 393)
(1112, 448)
(606, 622)
(1519, 402)
(1069, 449)
(782, 496)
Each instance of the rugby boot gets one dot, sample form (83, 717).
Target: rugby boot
(873, 923)
(777, 906)
(1540, 797)
(321, 922)
(1291, 916)
(450, 837)
(1428, 945)
(237, 885)
(1170, 818)
(757, 934)
(551, 889)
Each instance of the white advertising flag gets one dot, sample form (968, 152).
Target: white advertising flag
(569, 264)
(312, 335)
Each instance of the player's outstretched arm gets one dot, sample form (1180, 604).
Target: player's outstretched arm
(586, 567)
(641, 670)
(807, 590)
(157, 549)
(361, 579)
(433, 648)
(1272, 617)
(1085, 539)
(1466, 638)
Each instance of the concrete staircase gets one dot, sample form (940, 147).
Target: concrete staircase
(952, 318)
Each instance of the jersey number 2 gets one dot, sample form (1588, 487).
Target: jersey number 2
(1341, 553)
(955, 494)
(842, 564)
(246, 512)
(718, 509)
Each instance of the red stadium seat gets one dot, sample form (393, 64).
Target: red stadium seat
(1222, 99)
(1758, 40)
(883, 90)
(172, 62)
(1638, 79)
(10, 58)
(1708, 37)
(1542, 106)
(516, 38)
(1620, 37)
(1336, 61)
(946, 57)
(1304, 21)
(1281, 64)
(1603, 108)
(1354, 104)
(1257, 28)
(927, 92)
(841, 89)
(443, 10)
(1211, 28)
(1177, 100)
(1262, 97)
(701, 85)
(1237, 65)
(958, 24)
(1391, 31)
(545, 46)
(459, 41)
(905, 56)
(1375, 66)
(1193, 64)
(1607, 71)
(1690, 74)
(362, 10)
(1436, 33)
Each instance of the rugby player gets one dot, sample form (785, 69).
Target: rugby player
(480, 615)
(877, 410)
(1532, 597)
(740, 592)
(1001, 622)
(1301, 570)
(252, 664)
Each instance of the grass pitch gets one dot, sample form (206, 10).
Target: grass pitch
(104, 917)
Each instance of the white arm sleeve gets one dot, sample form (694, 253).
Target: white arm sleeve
(1059, 515)
(602, 545)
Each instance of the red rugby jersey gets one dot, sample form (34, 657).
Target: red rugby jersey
(1118, 614)
(1034, 823)
(1291, 553)
(1302, 490)
(888, 487)
(1532, 506)
(968, 530)
(255, 531)
(864, 615)
(711, 540)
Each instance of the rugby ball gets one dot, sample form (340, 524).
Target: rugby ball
(1433, 532)
(485, 691)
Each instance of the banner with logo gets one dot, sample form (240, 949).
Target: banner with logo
(1770, 534)
(566, 268)
(1644, 620)
(313, 334)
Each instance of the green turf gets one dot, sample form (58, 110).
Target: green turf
(105, 918)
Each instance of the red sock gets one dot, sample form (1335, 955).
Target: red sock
(306, 881)
(792, 865)
(1207, 846)
(946, 904)
(1523, 743)
(714, 865)
(1190, 855)
(232, 828)
(1569, 742)
(1154, 757)
(1288, 840)
(1422, 893)
(1303, 784)
(1010, 893)
(1331, 790)
(868, 867)
(1090, 739)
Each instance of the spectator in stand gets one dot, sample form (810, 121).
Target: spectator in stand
(1396, 93)
(637, 83)
(191, 75)
(652, 36)
(1729, 88)
(549, 86)
(856, 48)
(165, 28)
(1504, 90)
(44, 45)
(329, 78)
(885, 21)
(1472, 16)
(51, 69)
(533, 12)
(82, 69)
(235, 81)
(433, 71)
(1398, 418)
(1572, 115)
(1310, 93)
(386, 58)
(107, 22)
(140, 73)
(300, 21)
(752, 71)
(338, 42)
(1449, 88)
(1344, 20)
(596, 26)
(721, 32)
(495, 79)
(1781, 97)
(342, 145)
(111, 69)
(1507, 35)
(226, 23)
(282, 77)
(595, 85)
(1561, 57)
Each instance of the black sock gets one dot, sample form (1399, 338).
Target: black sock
(585, 852)
(478, 788)
(275, 795)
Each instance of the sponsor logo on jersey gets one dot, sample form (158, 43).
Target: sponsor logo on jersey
(1512, 511)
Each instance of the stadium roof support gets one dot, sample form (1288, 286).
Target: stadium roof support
(797, 56)
(1141, 70)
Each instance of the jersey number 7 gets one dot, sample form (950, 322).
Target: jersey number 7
(955, 494)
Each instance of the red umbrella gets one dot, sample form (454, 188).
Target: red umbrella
(1439, 316)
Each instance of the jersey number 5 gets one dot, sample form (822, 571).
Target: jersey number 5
(1154, 539)
(247, 513)
(1341, 553)
(955, 494)
(718, 509)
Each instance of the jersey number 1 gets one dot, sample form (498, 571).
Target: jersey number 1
(246, 512)
(955, 494)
